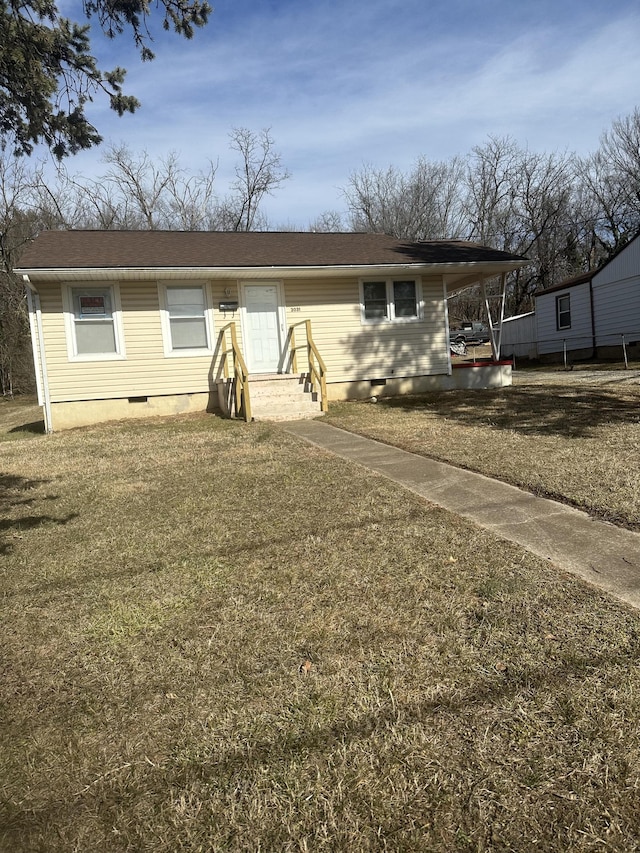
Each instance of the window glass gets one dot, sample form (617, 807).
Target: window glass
(187, 319)
(563, 308)
(93, 322)
(375, 300)
(404, 299)
(392, 300)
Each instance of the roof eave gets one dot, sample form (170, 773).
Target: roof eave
(468, 271)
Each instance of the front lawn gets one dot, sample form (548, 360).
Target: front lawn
(161, 584)
(572, 436)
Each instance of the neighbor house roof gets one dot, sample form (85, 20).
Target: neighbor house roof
(574, 281)
(588, 276)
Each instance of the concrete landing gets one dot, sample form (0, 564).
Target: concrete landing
(601, 553)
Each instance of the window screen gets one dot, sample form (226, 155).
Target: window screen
(186, 308)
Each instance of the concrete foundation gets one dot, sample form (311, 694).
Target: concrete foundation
(66, 415)
(471, 375)
(87, 412)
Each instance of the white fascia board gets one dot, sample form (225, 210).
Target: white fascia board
(473, 270)
(27, 283)
(468, 275)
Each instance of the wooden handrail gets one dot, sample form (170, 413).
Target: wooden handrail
(240, 372)
(242, 399)
(317, 367)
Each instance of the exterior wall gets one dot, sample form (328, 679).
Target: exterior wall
(362, 360)
(616, 300)
(579, 338)
(145, 371)
(519, 336)
(32, 302)
(353, 351)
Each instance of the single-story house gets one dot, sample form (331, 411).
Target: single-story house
(133, 323)
(593, 314)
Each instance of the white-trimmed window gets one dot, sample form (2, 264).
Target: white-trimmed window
(563, 311)
(187, 324)
(390, 300)
(93, 321)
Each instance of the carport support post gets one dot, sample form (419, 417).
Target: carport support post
(495, 329)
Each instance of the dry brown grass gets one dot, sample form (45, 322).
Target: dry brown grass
(20, 417)
(161, 584)
(571, 436)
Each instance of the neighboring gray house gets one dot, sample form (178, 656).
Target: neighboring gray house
(519, 336)
(593, 314)
(616, 302)
(564, 318)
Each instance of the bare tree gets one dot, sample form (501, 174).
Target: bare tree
(424, 204)
(519, 201)
(491, 188)
(18, 224)
(139, 193)
(331, 221)
(609, 191)
(544, 199)
(258, 174)
(621, 148)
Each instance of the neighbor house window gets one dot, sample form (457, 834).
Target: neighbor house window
(186, 319)
(94, 323)
(390, 300)
(563, 311)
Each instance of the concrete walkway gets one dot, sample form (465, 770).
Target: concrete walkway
(605, 555)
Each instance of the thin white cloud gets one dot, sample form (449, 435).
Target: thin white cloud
(381, 82)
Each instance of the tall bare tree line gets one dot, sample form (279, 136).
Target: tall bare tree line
(567, 214)
(134, 192)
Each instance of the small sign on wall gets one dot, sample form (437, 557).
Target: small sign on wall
(91, 305)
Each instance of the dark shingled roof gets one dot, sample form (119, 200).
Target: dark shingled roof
(228, 249)
(569, 282)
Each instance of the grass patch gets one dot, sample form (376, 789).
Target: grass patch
(163, 581)
(20, 417)
(565, 436)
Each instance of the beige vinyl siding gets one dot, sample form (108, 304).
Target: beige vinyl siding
(355, 351)
(145, 371)
(352, 351)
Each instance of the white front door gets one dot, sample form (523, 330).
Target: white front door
(262, 327)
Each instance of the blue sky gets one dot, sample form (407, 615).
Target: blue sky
(374, 82)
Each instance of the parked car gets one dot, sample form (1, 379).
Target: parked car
(470, 333)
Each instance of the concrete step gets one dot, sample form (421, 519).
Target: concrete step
(288, 392)
(286, 415)
(292, 405)
(287, 385)
(282, 397)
